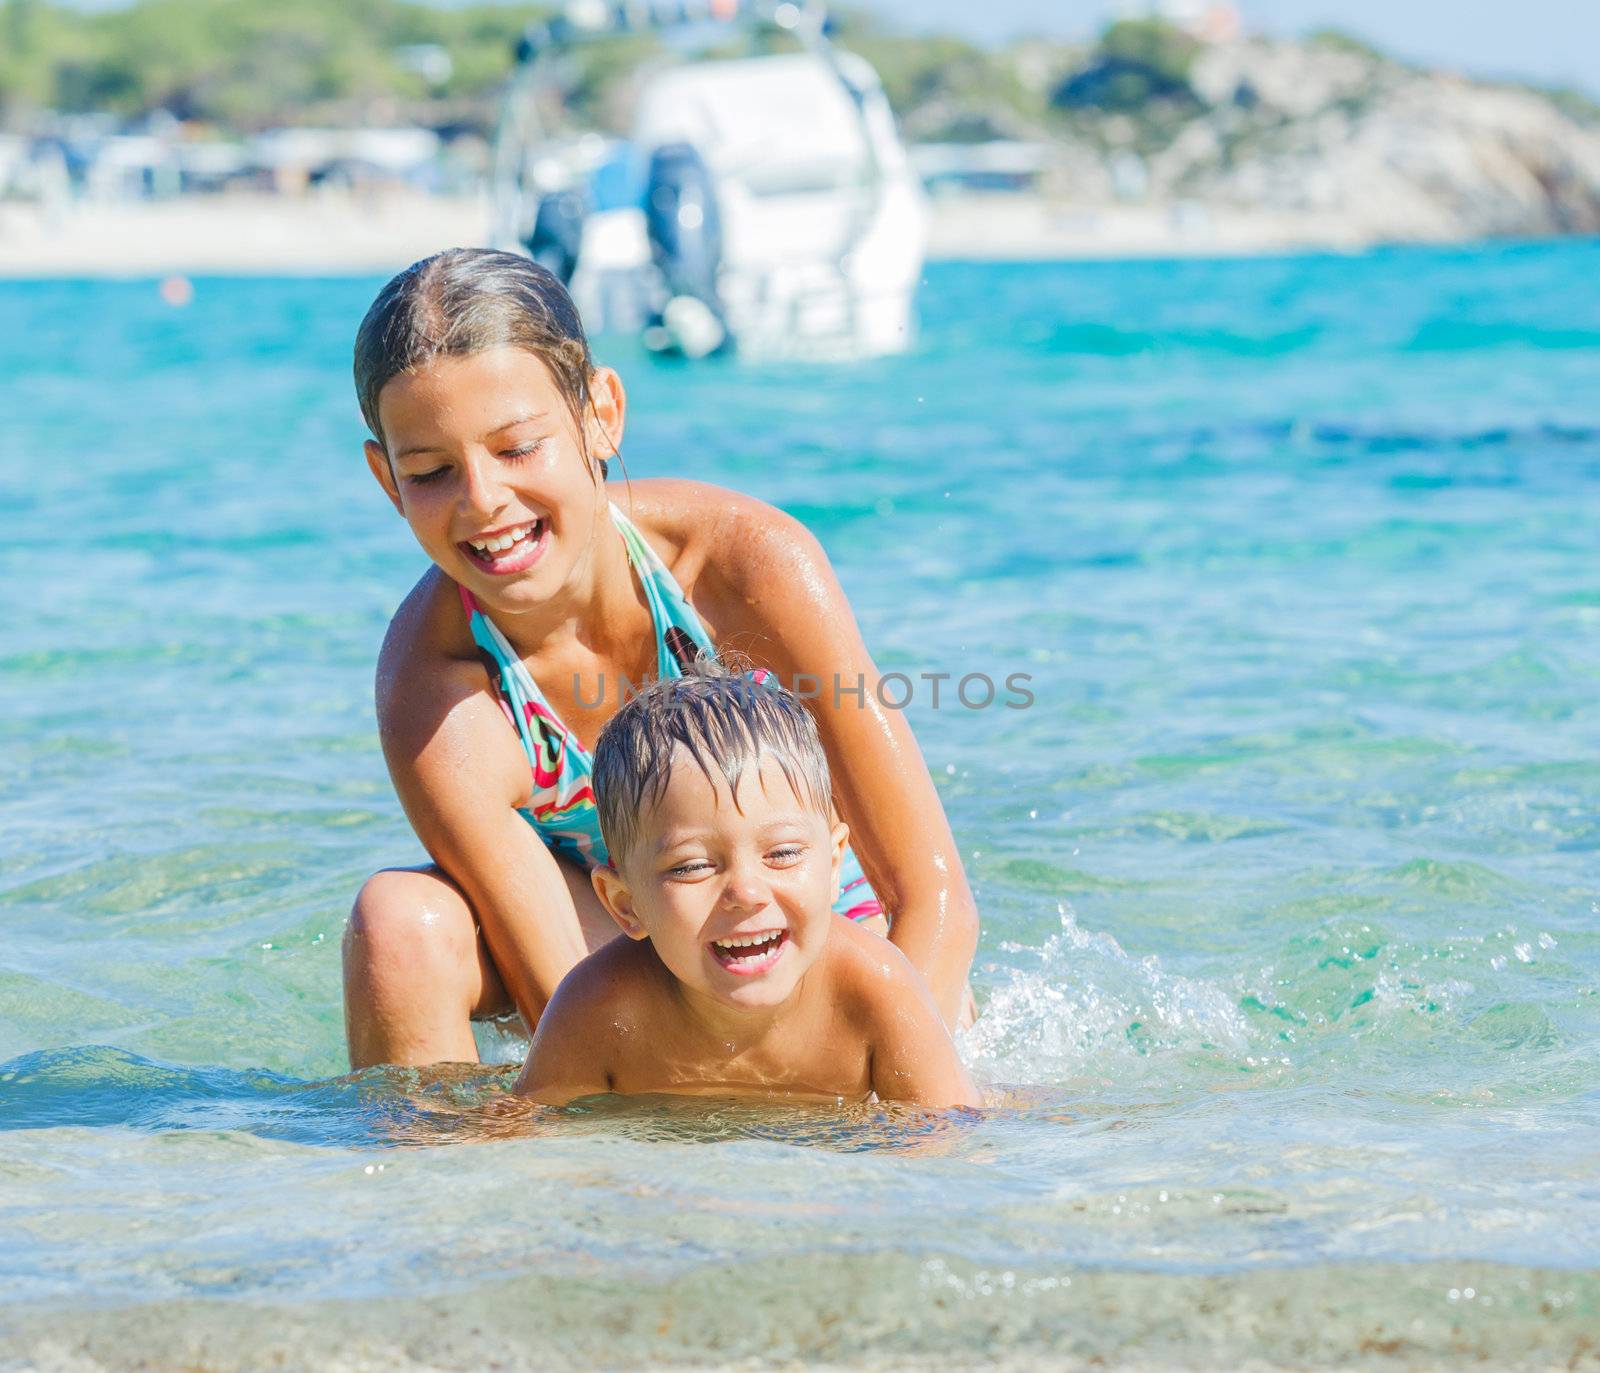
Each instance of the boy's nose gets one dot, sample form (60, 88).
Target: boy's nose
(745, 888)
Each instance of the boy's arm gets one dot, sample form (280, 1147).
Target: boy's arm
(913, 1056)
(568, 1059)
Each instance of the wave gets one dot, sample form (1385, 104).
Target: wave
(1087, 338)
(1471, 336)
(1080, 1003)
(98, 1086)
(1343, 1000)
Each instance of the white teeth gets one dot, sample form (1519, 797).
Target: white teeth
(746, 941)
(501, 542)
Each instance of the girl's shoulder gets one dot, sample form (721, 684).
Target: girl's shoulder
(714, 538)
(428, 640)
(682, 512)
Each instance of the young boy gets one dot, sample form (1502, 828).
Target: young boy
(736, 976)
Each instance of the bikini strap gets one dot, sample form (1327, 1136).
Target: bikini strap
(519, 694)
(680, 637)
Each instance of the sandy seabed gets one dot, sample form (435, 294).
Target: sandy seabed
(339, 233)
(1383, 1317)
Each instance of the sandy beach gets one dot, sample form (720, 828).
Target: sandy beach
(341, 234)
(235, 235)
(1036, 228)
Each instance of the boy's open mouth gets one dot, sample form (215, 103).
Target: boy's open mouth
(508, 550)
(750, 953)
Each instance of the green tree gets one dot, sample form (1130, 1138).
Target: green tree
(244, 63)
(1140, 63)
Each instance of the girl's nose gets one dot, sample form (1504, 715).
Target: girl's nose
(482, 492)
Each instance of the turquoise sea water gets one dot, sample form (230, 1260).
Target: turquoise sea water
(1290, 875)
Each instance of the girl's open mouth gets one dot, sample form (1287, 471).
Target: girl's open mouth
(508, 550)
(747, 954)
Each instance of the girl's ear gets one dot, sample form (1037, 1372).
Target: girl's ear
(618, 900)
(608, 410)
(378, 461)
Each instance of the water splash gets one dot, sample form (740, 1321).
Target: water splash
(1080, 1004)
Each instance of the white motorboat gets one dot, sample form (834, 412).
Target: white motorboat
(763, 202)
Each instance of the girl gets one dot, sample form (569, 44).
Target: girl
(491, 431)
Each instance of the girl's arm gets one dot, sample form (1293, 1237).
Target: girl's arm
(782, 605)
(460, 777)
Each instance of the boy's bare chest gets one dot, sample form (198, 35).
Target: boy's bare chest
(813, 1058)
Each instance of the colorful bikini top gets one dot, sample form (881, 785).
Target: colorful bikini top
(561, 809)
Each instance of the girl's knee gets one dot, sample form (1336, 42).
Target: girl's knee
(406, 921)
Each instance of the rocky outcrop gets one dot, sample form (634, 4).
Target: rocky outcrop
(1331, 132)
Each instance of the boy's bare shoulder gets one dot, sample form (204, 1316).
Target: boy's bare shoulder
(604, 999)
(886, 1002)
(610, 990)
(870, 976)
(600, 1010)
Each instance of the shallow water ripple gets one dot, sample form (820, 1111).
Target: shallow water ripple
(1288, 872)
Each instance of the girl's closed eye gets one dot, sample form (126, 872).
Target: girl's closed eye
(786, 855)
(517, 454)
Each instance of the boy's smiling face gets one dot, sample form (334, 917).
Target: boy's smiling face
(735, 892)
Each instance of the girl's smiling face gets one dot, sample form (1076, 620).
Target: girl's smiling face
(483, 458)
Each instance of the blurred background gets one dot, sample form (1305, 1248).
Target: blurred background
(1251, 410)
(228, 135)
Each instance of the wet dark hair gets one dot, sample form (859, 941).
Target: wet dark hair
(465, 301)
(725, 721)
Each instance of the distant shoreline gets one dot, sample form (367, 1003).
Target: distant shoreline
(377, 234)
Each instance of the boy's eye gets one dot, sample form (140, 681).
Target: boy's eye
(788, 854)
(692, 868)
(431, 475)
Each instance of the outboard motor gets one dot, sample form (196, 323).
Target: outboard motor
(558, 233)
(685, 232)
